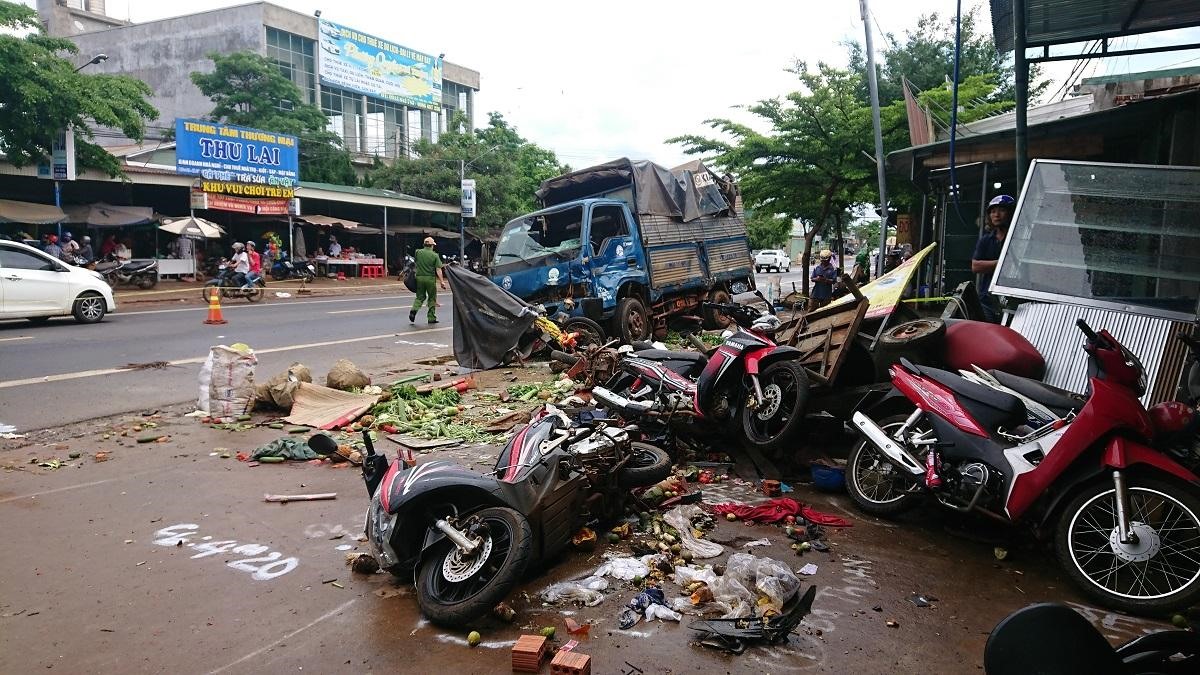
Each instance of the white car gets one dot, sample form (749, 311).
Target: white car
(35, 286)
(772, 258)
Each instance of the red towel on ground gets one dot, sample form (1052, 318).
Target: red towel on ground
(778, 509)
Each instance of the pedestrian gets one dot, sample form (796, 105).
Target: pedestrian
(241, 263)
(108, 246)
(85, 250)
(335, 249)
(255, 261)
(987, 251)
(824, 275)
(124, 250)
(52, 248)
(861, 274)
(429, 273)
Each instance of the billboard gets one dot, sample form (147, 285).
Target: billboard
(221, 152)
(368, 65)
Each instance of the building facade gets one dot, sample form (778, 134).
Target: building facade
(318, 56)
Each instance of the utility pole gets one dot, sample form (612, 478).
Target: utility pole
(879, 167)
(462, 221)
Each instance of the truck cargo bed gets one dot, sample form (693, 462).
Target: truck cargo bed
(695, 253)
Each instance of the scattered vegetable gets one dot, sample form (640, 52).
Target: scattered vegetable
(474, 638)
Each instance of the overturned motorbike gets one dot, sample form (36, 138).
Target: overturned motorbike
(1125, 516)
(747, 377)
(466, 539)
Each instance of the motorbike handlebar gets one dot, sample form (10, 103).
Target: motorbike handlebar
(1191, 342)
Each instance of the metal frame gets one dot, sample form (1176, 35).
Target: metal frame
(1104, 53)
(1008, 291)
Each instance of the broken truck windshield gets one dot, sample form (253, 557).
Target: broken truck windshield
(532, 237)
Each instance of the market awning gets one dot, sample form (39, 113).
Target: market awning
(28, 212)
(424, 231)
(330, 221)
(101, 214)
(1051, 22)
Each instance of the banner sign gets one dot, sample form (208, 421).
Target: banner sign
(220, 152)
(368, 65)
(886, 291)
(468, 198)
(219, 202)
(247, 189)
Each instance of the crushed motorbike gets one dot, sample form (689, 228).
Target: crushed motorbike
(466, 539)
(1124, 516)
(748, 378)
(232, 285)
(559, 333)
(140, 273)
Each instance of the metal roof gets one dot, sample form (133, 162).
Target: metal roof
(1050, 22)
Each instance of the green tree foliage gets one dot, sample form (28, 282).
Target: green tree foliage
(506, 167)
(248, 89)
(41, 93)
(767, 230)
(810, 164)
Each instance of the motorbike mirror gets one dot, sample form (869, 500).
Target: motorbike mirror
(367, 442)
(322, 444)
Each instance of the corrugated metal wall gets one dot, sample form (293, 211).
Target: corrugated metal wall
(1051, 328)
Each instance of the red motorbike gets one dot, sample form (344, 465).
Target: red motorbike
(1125, 516)
(748, 376)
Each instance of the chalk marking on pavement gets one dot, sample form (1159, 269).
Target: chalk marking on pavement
(367, 309)
(200, 359)
(76, 487)
(327, 615)
(23, 337)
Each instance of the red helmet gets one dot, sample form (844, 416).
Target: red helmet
(1171, 417)
(54, 239)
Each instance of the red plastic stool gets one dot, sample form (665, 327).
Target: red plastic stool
(372, 271)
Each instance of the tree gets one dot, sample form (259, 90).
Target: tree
(249, 90)
(811, 165)
(506, 167)
(43, 93)
(767, 230)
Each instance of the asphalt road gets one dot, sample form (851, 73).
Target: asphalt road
(64, 372)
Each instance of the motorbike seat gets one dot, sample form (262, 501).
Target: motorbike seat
(1048, 638)
(989, 407)
(1060, 401)
(688, 364)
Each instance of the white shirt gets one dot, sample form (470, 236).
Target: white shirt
(241, 262)
(123, 253)
(335, 249)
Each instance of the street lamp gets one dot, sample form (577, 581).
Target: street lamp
(99, 58)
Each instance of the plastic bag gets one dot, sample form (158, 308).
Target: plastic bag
(572, 591)
(680, 518)
(685, 575)
(227, 381)
(345, 375)
(662, 612)
(626, 569)
(595, 584)
(772, 579)
(776, 581)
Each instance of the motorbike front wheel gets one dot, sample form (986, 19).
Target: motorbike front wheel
(1160, 572)
(772, 424)
(454, 590)
(647, 466)
(876, 485)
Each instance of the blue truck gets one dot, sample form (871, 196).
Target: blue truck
(629, 244)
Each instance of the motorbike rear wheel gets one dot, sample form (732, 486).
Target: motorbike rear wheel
(1158, 574)
(647, 466)
(147, 281)
(772, 425)
(875, 484)
(486, 580)
(255, 293)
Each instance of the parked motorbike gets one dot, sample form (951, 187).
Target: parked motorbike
(1053, 639)
(1125, 516)
(140, 273)
(284, 268)
(468, 538)
(747, 377)
(231, 285)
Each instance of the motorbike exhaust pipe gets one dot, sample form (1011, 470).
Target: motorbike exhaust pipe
(617, 401)
(879, 438)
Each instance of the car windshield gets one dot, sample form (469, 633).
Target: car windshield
(533, 237)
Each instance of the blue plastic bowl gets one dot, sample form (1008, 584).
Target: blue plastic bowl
(829, 478)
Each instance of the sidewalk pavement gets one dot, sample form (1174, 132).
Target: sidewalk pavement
(171, 290)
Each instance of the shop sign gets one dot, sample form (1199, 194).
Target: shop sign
(62, 157)
(261, 207)
(349, 59)
(247, 189)
(468, 198)
(199, 199)
(220, 152)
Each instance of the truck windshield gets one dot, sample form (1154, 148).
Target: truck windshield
(533, 237)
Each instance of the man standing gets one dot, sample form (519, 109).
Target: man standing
(335, 249)
(823, 278)
(987, 251)
(429, 272)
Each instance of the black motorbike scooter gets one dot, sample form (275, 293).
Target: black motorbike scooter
(468, 538)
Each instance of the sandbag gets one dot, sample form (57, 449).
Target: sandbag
(280, 390)
(227, 381)
(345, 375)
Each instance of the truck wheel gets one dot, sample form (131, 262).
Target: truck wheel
(633, 322)
(714, 320)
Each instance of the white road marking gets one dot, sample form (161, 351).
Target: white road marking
(76, 487)
(200, 359)
(368, 309)
(327, 615)
(23, 337)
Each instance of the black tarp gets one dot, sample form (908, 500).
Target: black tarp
(687, 192)
(488, 320)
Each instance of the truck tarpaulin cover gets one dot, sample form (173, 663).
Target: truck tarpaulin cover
(488, 320)
(686, 192)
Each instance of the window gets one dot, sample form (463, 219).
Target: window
(24, 260)
(535, 237)
(294, 56)
(607, 222)
(1114, 235)
(345, 111)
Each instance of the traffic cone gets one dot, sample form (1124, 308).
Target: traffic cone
(214, 308)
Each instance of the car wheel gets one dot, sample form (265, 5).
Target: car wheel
(89, 308)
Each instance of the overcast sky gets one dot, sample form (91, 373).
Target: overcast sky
(596, 81)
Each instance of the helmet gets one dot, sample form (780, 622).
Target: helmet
(86, 239)
(1002, 200)
(429, 241)
(826, 253)
(237, 246)
(1170, 417)
(249, 244)
(54, 239)
(767, 323)
(66, 236)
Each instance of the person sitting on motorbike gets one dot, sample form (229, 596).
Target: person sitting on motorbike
(70, 248)
(123, 251)
(255, 261)
(85, 250)
(52, 248)
(241, 264)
